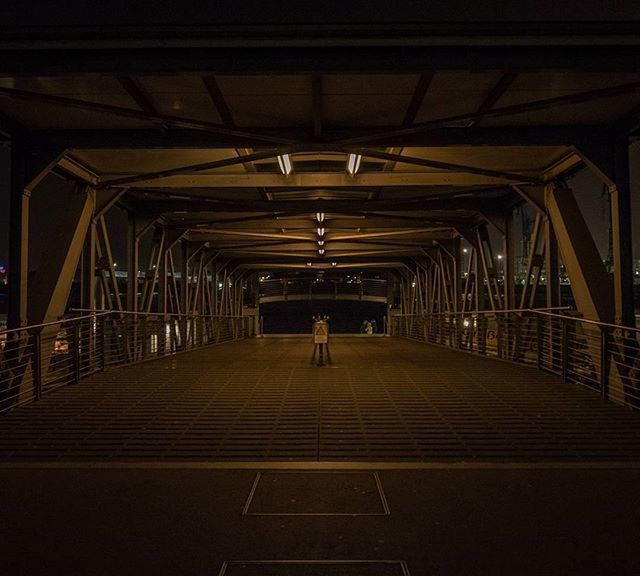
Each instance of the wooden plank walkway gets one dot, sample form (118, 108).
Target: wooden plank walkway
(382, 400)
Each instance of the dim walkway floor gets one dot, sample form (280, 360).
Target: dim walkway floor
(381, 400)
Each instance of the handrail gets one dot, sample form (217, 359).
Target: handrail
(541, 311)
(133, 313)
(31, 327)
(606, 359)
(34, 362)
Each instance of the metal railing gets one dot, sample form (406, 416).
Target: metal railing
(601, 357)
(35, 360)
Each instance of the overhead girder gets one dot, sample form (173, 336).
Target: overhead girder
(558, 135)
(323, 54)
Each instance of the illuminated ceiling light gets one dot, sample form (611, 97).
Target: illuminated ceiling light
(320, 216)
(321, 251)
(499, 256)
(309, 263)
(320, 231)
(320, 242)
(465, 250)
(334, 263)
(353, 163)
(285, 164)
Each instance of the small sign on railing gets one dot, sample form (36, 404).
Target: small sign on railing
(320, 334)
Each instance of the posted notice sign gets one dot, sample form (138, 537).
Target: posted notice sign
(320, 333)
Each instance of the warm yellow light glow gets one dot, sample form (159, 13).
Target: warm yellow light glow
(285, 164)
(353, 163)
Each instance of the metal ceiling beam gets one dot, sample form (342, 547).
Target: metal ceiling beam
(468, 52)
(186, 206)
(448, 166)
(560, 135)
(178, 122)
(419, 94)
(533, 106)
(316, 105)
(137, 94)
(496, 92)
(309, 180)
(218, 99)
(225, 162)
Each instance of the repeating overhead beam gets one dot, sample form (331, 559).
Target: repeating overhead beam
(316, 95)
(423, 48)
(136, 93)
(560, 135)
(172, 121)
(218, 99)
(422, 204)
(418, 97)
(535, 105)
(497, 92)
(225, 162)
(447, 166)
(308, 179)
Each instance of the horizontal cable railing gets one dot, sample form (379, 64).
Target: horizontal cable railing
(37, 359)
(599, 356)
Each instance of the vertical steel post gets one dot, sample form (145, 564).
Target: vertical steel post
(37, 365)
(565, 348)
(18, 237)
(604, 362)
(76, 351)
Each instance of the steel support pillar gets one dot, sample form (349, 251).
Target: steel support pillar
(18, 237)
(590, 282)
(29, 166)
(133, 249)
(608, 157)
(51, 283)
(508, 262)
(552, 270)
(620, 192)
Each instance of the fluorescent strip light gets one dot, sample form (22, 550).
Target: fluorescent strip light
(320, 232)
(284, 162)
(353, 164)
(320, 217)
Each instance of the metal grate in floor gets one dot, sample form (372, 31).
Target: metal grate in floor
(383, 399)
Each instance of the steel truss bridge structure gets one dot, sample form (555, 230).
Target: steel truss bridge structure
(333, 149)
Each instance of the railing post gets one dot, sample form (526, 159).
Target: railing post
(565, 349)
(604, 362)
(76, 351)
(37, 365)
(144, 338)
(102, 324)
(539, 341)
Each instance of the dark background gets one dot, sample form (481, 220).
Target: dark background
(294, 316)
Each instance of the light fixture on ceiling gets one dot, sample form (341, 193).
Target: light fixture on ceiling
(284, 161)
(320, 242)
(320, 217)
(334, 263)
(353, 163)
(320, 231)
(321, 251)
(309, 263)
